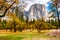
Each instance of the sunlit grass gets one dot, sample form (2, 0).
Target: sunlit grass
(22, 35)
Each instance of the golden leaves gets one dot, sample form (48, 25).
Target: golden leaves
(7, 5)
(17, 1)
(1, 2)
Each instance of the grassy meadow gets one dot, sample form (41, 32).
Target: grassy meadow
(24, 35)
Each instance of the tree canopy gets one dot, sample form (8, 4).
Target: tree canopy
(5, 5)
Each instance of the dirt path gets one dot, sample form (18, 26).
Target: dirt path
(42, 39)
(54, 32)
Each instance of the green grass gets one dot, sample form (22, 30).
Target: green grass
(20, 36)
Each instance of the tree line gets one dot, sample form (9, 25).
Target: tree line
(17, 24)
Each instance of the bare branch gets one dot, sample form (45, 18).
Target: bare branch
(1, 7)
(7, 10)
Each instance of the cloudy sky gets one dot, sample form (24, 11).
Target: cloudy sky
(31, 2)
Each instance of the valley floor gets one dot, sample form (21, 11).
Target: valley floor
(43, 35)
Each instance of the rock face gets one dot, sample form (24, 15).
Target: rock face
(36, 12)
